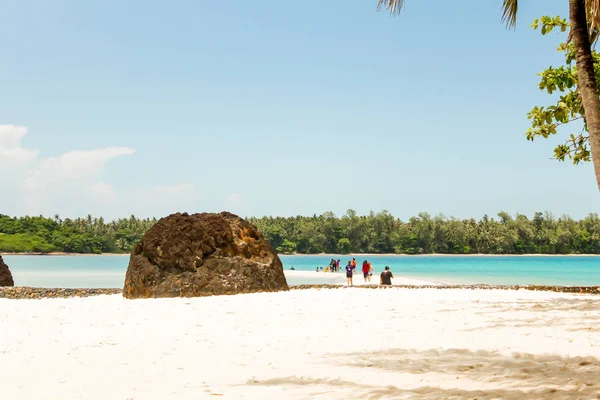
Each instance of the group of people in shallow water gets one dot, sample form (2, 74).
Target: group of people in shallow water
(367, 269)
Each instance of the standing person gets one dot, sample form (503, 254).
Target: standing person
(349, 272)
(386, 277)
(337, 265)
(332, 265)
(371, 269)
(365, 270)
(354, 264)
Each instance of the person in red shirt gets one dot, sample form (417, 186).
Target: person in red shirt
(365, 269)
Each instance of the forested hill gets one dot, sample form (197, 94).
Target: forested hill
(326, 233)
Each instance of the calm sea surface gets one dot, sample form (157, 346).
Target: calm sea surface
(109, 271)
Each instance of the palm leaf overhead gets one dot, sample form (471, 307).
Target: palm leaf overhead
(509, 12)
(393, 6)
(592, 7)
(592, 10)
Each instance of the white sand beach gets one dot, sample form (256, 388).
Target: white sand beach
(346, 343)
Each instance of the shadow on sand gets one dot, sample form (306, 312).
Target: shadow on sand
(496, 376)
(572, 314)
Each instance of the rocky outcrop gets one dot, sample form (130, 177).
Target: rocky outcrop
(6, 278)
(22, 292)
(202, 255)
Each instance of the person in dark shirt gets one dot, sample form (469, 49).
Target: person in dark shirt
(386, 277)
(349, 272)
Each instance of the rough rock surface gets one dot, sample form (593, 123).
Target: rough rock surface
(21, 292)
(6, 278)
(202, 255)
(24, 292)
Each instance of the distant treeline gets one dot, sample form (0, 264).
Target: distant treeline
(326, 233)
(426, 234)
(81, 235)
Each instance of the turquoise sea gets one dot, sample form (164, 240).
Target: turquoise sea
(109, 271)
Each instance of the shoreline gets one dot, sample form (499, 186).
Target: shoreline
(33, 293)
(63, 254)
(441, 255)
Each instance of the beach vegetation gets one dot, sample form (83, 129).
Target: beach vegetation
(379, 233)
(82, 235)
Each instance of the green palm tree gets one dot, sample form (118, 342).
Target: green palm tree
(584, 18)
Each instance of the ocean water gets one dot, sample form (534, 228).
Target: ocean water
(109, 271)
(497, 270)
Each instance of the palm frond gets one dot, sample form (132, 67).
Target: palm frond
(509, 12)
(592, 9)
(393, 6)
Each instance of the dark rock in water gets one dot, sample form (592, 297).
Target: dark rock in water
(6, 278)
(202, 255)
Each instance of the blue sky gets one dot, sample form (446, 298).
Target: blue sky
(277, 108)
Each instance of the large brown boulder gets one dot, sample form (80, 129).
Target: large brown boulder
(6, 278)
(202, 255)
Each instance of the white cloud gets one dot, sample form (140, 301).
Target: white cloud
(103, 191)
(72, 178)
(74, 166)
(11, 152)
(73, 184)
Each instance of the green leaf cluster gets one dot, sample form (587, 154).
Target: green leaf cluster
(548, 24)
(546, 120)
